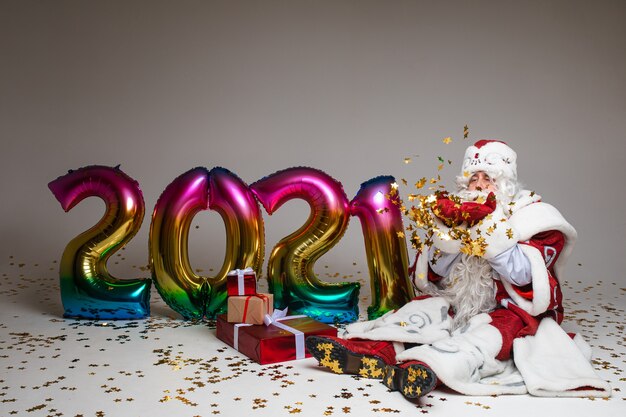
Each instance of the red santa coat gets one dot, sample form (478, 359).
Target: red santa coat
(547, 240)
(467, 360)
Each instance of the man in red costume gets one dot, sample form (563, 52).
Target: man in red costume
(488, 316)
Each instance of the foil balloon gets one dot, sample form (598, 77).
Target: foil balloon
(385, 245)
(245, 235)
(290, 266)
(87, 288)
(181, 288)
(192, 295)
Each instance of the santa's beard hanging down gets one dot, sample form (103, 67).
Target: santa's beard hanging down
(470, 289)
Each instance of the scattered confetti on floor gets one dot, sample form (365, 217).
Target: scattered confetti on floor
(164, 366)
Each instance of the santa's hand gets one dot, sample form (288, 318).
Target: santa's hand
(443, 238)
(473, 212)
(495, 234)
(447, 210)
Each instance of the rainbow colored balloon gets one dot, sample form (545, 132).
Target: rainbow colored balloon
(290, 266)
(192, 295)
(385, 245)
(87, 288)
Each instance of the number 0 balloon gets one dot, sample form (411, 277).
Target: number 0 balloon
(192, 295)
(87, 288)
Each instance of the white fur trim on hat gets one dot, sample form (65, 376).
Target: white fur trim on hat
(494, 157)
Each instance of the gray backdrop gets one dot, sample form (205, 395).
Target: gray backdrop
(351, 88)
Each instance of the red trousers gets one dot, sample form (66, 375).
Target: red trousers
(512, 322)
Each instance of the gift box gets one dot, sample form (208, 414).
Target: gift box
(281, 341)
(241, 282)
(250, 309)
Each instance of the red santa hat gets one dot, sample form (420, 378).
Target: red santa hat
(494, 157)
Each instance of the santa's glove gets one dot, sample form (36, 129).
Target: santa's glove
(494, 234)
(446, 239)
(447, 210)
(473, 212)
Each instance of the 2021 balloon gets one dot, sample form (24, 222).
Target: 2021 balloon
(290, 266)
(87, 288)
(89, 291)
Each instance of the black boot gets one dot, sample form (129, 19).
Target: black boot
(413, 379)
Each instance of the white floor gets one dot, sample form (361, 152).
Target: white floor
(163, 366)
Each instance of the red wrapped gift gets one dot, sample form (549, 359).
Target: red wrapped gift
(273, 343)
(241, 282)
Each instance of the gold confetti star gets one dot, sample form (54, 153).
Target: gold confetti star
(447, 140)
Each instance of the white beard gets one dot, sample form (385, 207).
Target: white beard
(505, 193)
(472, 195)
(469, 289)
(501, 198)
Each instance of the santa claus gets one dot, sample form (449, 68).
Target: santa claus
(487, 321)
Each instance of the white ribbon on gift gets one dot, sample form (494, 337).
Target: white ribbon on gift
(236, 335)
(277, 314)
(276, 317)
(240, 278)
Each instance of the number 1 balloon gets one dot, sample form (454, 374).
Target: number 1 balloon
(87, 288)
(385, 245)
